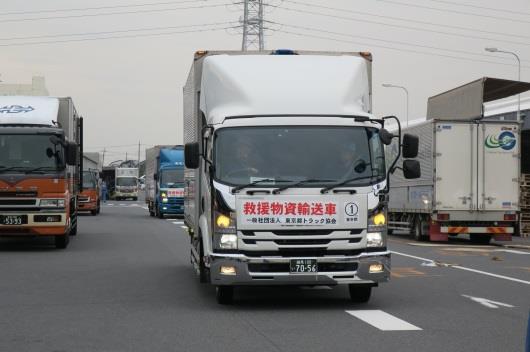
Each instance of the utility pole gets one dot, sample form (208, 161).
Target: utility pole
(138, 158)
(103, 161)
(253, 25)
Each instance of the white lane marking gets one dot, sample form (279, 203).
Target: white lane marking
(382, 320)
(135, 205)
(146, 208)
(488, 302)
(430, 262)
(178, 222)
(123, 205)
(169, 219)
(185, 227)
(512, 251)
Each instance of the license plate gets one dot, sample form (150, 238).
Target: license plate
(304, 266)
(13, 219)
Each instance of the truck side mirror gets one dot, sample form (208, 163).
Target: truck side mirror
(411, 169)
(410, 146)
(71, 153)
(385, 136)
(191, 155)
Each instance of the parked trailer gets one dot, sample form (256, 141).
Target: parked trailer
(41, 148)
(470, 169)
(285, 179)
(164, 175)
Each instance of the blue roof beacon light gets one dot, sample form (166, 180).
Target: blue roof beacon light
(284, 52)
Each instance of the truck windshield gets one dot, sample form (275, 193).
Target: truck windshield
(126, 181)
(89, 180)
(25, 152)
(332, 154)
(171, 178)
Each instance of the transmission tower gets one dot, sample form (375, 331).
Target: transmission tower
(253, 25)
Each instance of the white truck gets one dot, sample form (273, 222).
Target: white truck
(285, 180)
(470, 168)
(126, 183)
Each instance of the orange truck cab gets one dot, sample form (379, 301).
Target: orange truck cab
(40, 161)
(89, 198)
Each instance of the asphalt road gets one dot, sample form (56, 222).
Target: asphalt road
(125, 284)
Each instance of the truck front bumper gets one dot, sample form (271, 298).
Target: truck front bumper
(275, 270)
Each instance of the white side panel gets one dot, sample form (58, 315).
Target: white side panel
(499, 166)
(455, 150)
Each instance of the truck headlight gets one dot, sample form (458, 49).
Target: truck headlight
(374, 239)
(225, 233)
(164, 200)
(228, 241)
(52, 203)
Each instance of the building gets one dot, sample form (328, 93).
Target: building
(36, 87)
(507, 110)
(92, 161)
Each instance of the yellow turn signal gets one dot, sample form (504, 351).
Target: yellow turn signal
(379, 219)
(223, 221)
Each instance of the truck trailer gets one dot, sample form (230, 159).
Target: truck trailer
(41, 148)
(126, 183)
(470, 168)
(285, 180)
(164, 176)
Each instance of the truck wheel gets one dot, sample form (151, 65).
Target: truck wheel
(419, 229)
(135, 198)
(480, 238)
(94, 212)
(61, 242)
(360, 293)
(224, 294)
(151, 212)
(204, 272)
(160, 215)
(99, 209)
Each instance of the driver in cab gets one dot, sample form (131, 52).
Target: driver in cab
(246, 161)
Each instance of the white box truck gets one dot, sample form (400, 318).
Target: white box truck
(469, 168)
(126, 183)
(286, 180)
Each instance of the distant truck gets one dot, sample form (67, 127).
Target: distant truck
(470, 168)
(126, 183)
(164, 180)
(89, 198)
(285, 180)
(41, 148)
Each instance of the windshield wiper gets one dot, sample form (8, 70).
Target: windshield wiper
(41, 168)
(342, 183)
(240, 187)
(299, 183)
(9, 168)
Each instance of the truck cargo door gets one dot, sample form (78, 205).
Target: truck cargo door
(498, 151)
(455, 155)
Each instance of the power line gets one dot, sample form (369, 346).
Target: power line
(454, 11)
(392, 41)
(481, 7)
(97, 8)
(459, 35)
(115, 37)
(392, 48)
(118, 31)
(113, 13)
(407, 20)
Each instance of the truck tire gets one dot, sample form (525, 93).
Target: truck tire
(135, 198)
(160, 215)
(61, 242)
(419, 229)
(224, 294)
(151, 212)
(99, 209)
(360, 293)
(204, 272)
(480, 238)
(94, 212)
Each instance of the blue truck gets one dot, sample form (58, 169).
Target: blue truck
(164, 180)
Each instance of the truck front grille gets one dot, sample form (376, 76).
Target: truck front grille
(20, 194)
(18, 202)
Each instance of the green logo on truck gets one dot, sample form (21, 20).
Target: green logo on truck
(506, 141)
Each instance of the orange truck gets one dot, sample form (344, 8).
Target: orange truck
(41, 146)
(89, 198)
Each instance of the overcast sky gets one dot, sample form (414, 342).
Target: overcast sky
(130, 89)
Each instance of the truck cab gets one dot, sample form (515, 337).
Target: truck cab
(126, 183)
(40, 163)
(170, 182)
(89, 198)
